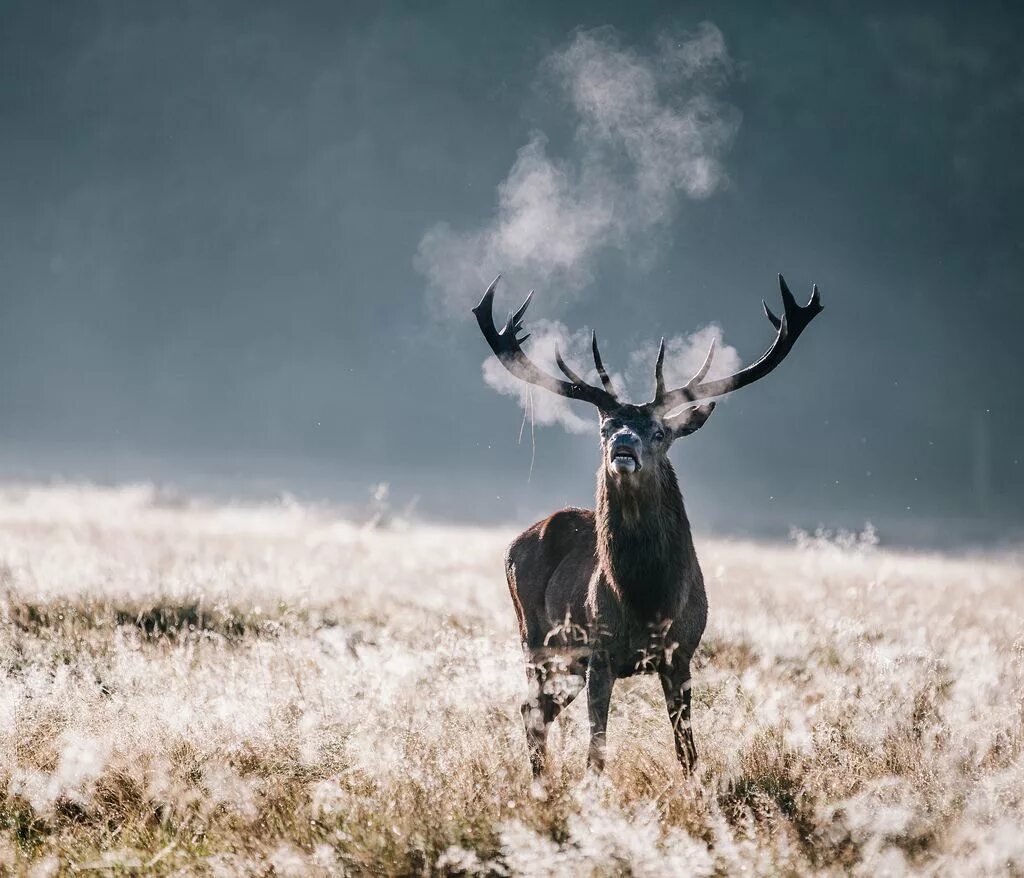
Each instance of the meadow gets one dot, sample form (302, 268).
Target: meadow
(227, 689)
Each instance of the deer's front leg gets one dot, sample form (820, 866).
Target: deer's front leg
(676, 684)
(599, 696)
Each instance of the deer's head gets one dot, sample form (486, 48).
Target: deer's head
(634, 438)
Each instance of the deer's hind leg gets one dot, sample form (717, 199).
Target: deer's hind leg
(555, 678)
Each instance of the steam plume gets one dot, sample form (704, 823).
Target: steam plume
(648, 132)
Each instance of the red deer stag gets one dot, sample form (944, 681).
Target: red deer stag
(618, 591)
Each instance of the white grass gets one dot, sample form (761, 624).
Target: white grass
(272, 690)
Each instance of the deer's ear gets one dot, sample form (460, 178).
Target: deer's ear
(689, 421)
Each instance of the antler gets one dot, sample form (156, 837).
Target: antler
(793, 322)
(508, 350)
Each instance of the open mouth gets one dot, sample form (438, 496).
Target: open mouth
(624, 460)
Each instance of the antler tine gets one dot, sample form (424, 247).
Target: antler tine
(706, 367)
(572, 376)
(518, 316)
(659, 378)
(605, 380)
(488, 297)
(789, 326)
(698, 376)
(507, 347)
(788, 301)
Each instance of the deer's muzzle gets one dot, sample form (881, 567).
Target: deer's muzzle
(624, 455)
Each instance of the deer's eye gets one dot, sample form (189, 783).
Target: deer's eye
(658, 436)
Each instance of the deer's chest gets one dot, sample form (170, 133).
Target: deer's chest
(637, 642)
(644, 651)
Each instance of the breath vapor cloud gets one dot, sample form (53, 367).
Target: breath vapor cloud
(648, 133)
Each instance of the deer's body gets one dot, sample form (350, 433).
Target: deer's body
(617, 591)
(606, 594)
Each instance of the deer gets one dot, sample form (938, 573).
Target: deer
(608, 593)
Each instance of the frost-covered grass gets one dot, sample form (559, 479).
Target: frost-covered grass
(225, 690)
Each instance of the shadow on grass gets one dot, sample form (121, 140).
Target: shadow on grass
(162, 619)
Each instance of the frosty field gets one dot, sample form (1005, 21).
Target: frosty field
(274, 690)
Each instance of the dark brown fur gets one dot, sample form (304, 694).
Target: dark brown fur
(608, 594)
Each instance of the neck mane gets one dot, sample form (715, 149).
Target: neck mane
(644, 546)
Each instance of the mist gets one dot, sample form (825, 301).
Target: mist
(240, 245)
(647, 132)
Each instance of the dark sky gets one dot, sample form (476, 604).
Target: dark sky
(210, 214)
